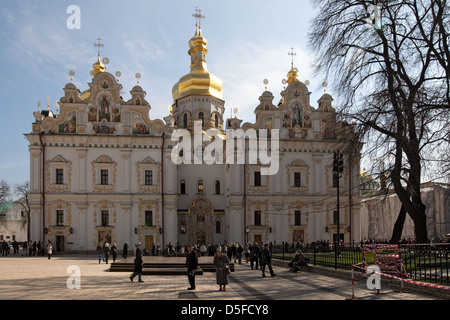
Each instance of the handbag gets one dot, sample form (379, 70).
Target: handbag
(228, 270)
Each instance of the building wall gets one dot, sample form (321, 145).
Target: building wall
(381, 214)
(12, 226)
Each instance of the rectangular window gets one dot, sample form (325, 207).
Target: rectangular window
(297, 180)
(59, 217)
(148, 218)
(105, 218)
(148, 177)
(257, 217)
(335, 181)
(298, 218)
(59, 176)
(217, 226)
(104, 177)
(335, 217)
(257, 179)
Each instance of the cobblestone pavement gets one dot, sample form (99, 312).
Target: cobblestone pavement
(38, 278)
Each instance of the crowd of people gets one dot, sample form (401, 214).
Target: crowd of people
(31, 248)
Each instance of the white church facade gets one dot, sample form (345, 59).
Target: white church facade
(102, 169)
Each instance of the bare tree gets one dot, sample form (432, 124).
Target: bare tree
(390, 60)
(23, 190)
(5, 190)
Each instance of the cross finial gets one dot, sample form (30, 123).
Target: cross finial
(99, 44)
(198, 17)
(292, 53)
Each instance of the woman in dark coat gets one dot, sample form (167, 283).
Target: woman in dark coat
(114, 252)
(125, 250)
(138, 262)
(221, 265)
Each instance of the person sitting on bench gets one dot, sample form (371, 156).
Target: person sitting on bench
(298, 262)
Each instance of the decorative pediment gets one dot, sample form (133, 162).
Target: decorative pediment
(104, 159)
(298, 163)
(59, 159)
(148, 160)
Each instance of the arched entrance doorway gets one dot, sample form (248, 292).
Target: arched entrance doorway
(197, 225)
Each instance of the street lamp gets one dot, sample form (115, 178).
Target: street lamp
(338, 169)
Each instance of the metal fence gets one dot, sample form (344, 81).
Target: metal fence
(427, 263)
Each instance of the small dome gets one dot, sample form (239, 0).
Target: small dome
(326, 97)
(137, 89)
(70, 86)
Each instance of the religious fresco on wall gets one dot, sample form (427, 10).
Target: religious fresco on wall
(138, 124)
(104, 127)
(116, 115)
(297, 115)
(70, 124)
(92, 114)
(104, 109)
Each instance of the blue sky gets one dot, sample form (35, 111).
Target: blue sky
(248, 41)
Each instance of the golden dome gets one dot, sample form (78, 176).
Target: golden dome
(292, 75)
(98, 67)
(199, 81)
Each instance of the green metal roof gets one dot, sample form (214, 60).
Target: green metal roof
(5, 207)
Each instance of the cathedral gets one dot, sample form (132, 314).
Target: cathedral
(103, 170)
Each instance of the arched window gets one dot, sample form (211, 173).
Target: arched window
(201, 116)
(182, 187)
(217, 187)
(216, 121)
(185, 121)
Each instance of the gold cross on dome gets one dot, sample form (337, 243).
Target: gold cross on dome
(99, 44)
(292, 53)
(198, 17)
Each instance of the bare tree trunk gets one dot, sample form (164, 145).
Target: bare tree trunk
(398, 226)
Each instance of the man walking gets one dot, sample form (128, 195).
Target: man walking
(266, 260)
(191, 264)
(138, 262)
(254, 255)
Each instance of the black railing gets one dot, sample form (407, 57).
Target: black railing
(427, 263)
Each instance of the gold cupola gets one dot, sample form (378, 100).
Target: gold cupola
(198, 81)
(98, 67)
(292, 75)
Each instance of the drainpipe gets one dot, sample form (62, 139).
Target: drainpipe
(162, 190)
(245, 207)
(350, 195)
(43, 185)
